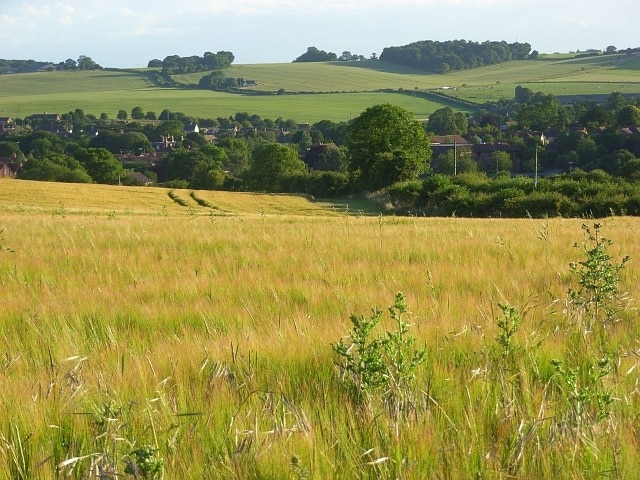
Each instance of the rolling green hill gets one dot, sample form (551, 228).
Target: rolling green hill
(347, 88)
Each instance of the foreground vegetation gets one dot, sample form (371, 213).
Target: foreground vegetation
(147, 338)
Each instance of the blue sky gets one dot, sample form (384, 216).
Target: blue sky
(119, 33)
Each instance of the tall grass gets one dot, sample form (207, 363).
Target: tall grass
(207, 341)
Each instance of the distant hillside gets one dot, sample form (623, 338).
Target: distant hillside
(317, 91)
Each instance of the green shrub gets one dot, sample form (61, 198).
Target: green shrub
(383, 367)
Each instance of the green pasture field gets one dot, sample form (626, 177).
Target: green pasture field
(198, 336)
(349, 88)
(583, 76)
(338, 77)
(103, 92)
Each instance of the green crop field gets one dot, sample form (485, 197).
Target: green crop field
(151, 333)
(104, 96)
(346, 88)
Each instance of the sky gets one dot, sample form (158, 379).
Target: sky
(129, 33)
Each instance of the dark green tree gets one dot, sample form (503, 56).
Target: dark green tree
(325, 157)
(135, 142)
(314, 55)
(208, 173)
(500, 162)
(270, 164)
(56, 167)
(137, 113)
(542, 114)
(238, 155)
(180, 163)
(386, 145)
(87, 63)
(173, 128)
(101, 165)
(460, 161)
(587, 151)
(8, 149)
(446, 121)
(628, 116)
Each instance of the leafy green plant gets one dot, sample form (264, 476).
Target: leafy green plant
(598, 298)
(380, 367)
(585, 390)
(508, 325)
(144, 462)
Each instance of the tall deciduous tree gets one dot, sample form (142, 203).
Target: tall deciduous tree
(447, 122)
(137, 113)
(100, 164)
(270, 164)
(500, 162)
(628, 116)
(386, 145)
(546, 113)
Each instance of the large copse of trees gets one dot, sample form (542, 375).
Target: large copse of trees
(441, 57)
(175, 64)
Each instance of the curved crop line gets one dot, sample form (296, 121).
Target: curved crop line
(204, 203)
(180, 201)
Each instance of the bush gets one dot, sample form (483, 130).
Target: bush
(541, 204)
(380, 368)
(406, 193)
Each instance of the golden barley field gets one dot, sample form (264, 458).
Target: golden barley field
(197, 335)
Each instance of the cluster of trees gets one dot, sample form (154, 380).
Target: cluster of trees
(446, 121)
(441, 57)
(26, 66)
(313, 54)
(50, 158)
(217, 80)
(21, 66)
(174, 64)
(83, 63)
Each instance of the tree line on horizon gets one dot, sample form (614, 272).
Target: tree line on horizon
(175, 64)
(442, 57)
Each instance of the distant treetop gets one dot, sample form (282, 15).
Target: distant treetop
(314, 55)
(442, 57)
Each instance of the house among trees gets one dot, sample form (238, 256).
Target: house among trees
(442, 143)
(9, 167)
(140, 178)
(191, 128)
(57, 129)
(6, 123)
(44, 117)
(628, 131)
(167, 143)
